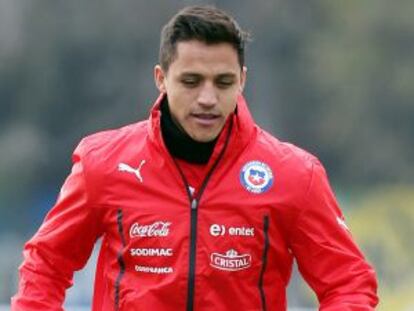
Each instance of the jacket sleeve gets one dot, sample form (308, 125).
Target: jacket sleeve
(61, 246)
(327, 257)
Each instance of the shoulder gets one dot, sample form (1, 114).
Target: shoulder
(285, 153)
(292, 166)
(99, 154)
(109, 141)
(294, 172)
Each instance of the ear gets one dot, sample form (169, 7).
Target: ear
(243, 77)
(159, 78)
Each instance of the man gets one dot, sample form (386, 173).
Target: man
(198, 208)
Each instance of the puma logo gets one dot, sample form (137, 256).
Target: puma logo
(122, 167)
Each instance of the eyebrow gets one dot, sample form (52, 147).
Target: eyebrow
(189, 74)
(219, 76)
(227, 75)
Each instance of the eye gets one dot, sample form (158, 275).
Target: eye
(190, 82)
(225, 83)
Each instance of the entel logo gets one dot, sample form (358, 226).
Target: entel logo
(221, 230)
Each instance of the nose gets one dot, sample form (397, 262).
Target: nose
(208, 96)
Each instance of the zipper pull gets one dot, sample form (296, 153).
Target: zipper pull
(194, 204)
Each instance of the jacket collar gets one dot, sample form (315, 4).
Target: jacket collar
(240, 123)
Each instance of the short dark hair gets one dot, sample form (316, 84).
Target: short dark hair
(207, 24)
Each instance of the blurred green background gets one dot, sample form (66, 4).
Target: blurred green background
(334, 77)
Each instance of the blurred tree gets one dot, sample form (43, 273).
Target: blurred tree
(382, 222)
(335, 77)
(363, 71)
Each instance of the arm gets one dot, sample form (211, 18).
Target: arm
(61, 246)
(327, 257)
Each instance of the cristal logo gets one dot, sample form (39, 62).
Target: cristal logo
(231, 261)
(157, 229)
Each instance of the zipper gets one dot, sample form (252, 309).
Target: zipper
(194, 205)
(121, 261)
(193, 248)
(264, 260)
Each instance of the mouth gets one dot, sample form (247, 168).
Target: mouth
(206, 119)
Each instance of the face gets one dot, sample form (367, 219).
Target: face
(202, 85)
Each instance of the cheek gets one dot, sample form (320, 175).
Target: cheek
(179, 104)
(229, 103)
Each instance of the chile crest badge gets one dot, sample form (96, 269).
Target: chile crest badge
(256, 177)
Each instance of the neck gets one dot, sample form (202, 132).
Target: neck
(180, 144)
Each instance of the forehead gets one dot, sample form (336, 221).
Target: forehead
(196, 56)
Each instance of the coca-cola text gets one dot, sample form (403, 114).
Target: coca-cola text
(157, 229)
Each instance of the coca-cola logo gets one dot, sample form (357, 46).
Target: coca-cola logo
(157, 229)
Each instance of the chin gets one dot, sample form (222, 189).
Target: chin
(204, 138)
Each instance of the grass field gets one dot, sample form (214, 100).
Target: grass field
(85, 308)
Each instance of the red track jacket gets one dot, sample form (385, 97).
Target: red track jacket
(225, 243)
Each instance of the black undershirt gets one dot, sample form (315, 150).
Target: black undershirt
(180, 144)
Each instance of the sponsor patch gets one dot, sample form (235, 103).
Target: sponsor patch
(151, 252)
(156, 229)
(222, 230)
(256, 177)
(341, 222)
(154, 270)
(123, 167)
(230, 261)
